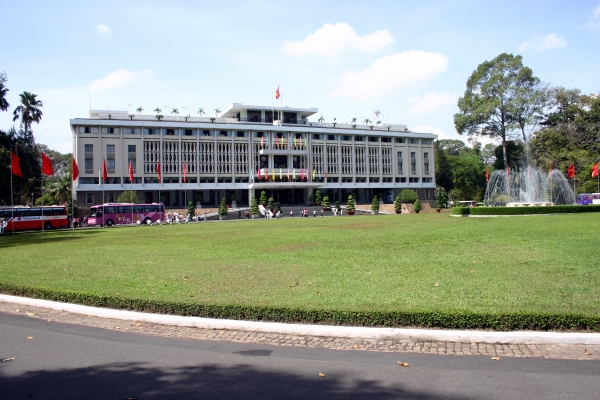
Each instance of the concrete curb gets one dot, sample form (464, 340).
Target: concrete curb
(438, 335)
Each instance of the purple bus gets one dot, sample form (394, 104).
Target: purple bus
(588, 198)
(125, 213)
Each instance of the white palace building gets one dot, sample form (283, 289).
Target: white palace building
(244, 150)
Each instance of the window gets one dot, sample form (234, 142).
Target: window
(386, 139)
(360, 179)
(111, 199)
(132, 131)
(373, 139)
(89, 148)
(259, 134)
(151, 131)
(88, 181)
(333, 179)
(89, 164)
(425, 141)
(413, 180)
(413, 167)
(223, 180)
(170, 132)
(131, 148)
(399, 155)
(386, 180)
(426, 155)
(426, 166)
(240, 134)
(346, 138)
(89, 198)
(316, 136)
(413, 154)
(346, 179)
(88, 129)
(359, 138)
(373, 179)
(331, 137)
(110, 163)
(188, 132)
(110, 148)
(133, 163)
(110, 130)
(427, 192)
(427, 180)
(400, 140)
(400, 180)
(224, 133)
(207, 133)
(414, 141)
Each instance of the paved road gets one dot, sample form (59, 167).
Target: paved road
(63, 361)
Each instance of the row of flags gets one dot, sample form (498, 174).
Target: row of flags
(274, 174)
(15, 164)
(570, 171)
(287, 141)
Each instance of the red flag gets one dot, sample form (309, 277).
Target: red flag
(15, 164)
(277, 94)
(131, 172)
(595, 170)
(104, 171)
(47, 165)
(267, 174)
(75, 173)
(571, 171)
(487, 173)
(258, 175)
(158, 172)
(550, 172)
(184, 173)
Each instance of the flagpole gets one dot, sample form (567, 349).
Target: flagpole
(131, 193)
(43, 199)
(12, 203)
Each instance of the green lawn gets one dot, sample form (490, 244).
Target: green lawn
(406, 263)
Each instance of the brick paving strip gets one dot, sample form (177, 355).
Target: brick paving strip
(571, 352)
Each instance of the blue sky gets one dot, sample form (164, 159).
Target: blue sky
(410, 60)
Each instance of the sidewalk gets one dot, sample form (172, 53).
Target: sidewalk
(555, 345)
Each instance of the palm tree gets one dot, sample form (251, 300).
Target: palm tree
(367, 121)
(139, 110)
(29, 110)
(354, 120)
(60, 189)
(217, 111)
(3, 90)
(157, 110)
(175, 111)
(201, 111)
(321, 119)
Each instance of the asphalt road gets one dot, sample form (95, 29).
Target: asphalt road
(60, 361)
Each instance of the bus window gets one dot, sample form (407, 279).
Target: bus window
(137, 209)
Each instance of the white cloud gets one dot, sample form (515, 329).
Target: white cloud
(429, 129)
(594, 22)
(540, 43)
(332, 39)
(117, 79)
(104, 29)
(431, 101)
(390, 73)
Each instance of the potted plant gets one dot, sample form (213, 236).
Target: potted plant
(441, 198)
(263, 198)
(321, 119)
(334, 122)
(326, 204)
(398, 205)
(318, 197)
(375, 205)
(350, 206)
(278, 207)
(417, 206)
(222, 211)
(254, 208)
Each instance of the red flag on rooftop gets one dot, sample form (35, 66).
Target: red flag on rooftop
(131, 172)
(75, 168)
(277, 93)
(104, 171)
(184, 173)
(15, 163)
(47, 165)
(158, 172)
(571, 171)
(595, 170)
(487, 173)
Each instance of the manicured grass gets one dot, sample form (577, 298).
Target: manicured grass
(425, 262)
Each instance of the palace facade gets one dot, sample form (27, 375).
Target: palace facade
(244, 150)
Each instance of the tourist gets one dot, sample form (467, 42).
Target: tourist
(292, 213)
(321, 213)
(314, 213)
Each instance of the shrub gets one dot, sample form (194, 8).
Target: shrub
(254, 206)
(277, 206)
(408, 196)
(460, 211)
(326, 203)
(337, 206)
(441, 197)
(398, 203)
(318, 196)
(223, 207)
(417, 206)
(375, 204)
(566, 209)
(191, 209)
(128, 196)
(350, 204)
(271, 203)
(263, 198)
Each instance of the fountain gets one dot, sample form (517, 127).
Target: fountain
(528, 187)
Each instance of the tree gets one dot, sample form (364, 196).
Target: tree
(417, 206)
(493, 102)
(452, 147)
(441, 197)
(326, 203)
(488, 154)
(318, 197)
(60, 189)
(469, 175)
(201, 111)
(139, 110)
(222, 210)
(516, 155)
(397, 203)
(175, 111)
(191, 210)
(254, 206)
(3, 90)
(128, 196)
(408, 196)
(443, 170)
(375, 204)
(350, 204)
(28, 111)
(263, 198)
(270, 203)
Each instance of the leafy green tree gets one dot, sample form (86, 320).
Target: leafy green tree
(263, 198)
(488, 154)
(375, 204)
(128, 196)
(318, 196)
(60, 188)
(326, 203)
(350, 204)
(191, 210)
(443, 169)
(398, 203)
(492, 103)
(452, 147)
(408, 196)
(270, 203)
(417, 206)
(3, 90)
(254, 206)
(469, 175)
(222, 210)
(441, 197)
(516, 155)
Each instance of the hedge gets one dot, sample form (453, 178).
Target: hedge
(570, 209)
(384, 318)
(459, 211)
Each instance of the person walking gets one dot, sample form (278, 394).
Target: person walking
(321, 213)
(292, 213)
(314, 213)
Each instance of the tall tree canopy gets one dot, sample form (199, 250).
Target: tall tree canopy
(495, 98)
(28, 111)
(3, 90)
